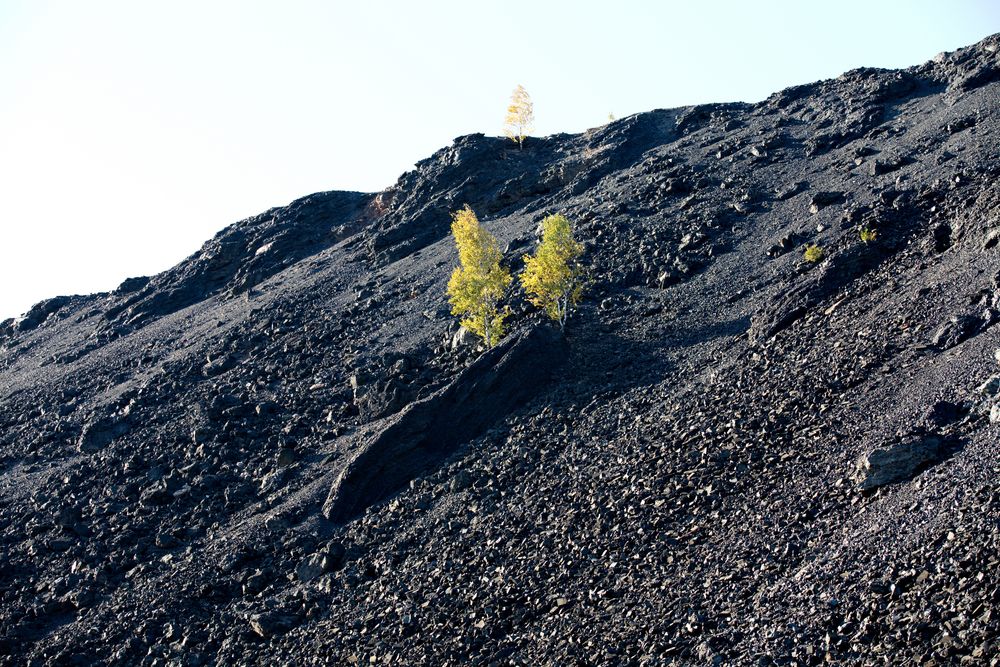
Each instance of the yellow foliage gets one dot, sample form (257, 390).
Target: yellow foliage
(520, 116)
(868, 235)
(479, 283)
(553, 277)
(813, 253)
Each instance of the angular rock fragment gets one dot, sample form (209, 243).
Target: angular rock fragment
(269, 624)
(901, 462)
(821, 200)
(956, 330)
(327, 560)
(97, 435)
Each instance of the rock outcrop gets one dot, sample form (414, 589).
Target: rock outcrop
(427, 432)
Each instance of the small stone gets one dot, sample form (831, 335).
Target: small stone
(216, 366)
(957, 329)
(462, 338)
(991, 387)
(155, 494)
(68, 517)
(461, 480)
(267, 408)
(165, 541)
(272, 480)
(99, 434)
(321, 562)
(286, 457)
(310, 568)
(995, 413)
(255, 583)
(276, 523)
(269, 624)
(821, 200)
(60, 545)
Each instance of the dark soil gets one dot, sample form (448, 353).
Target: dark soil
(280, 453)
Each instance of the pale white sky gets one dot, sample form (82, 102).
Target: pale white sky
(132, 131)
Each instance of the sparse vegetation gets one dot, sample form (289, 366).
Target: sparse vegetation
(553, 276)
(814, 253)
(479, 283)
(520, 116)
(868, 235)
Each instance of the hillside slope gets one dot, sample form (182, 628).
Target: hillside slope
(280, 452)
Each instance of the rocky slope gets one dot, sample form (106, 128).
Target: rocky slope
(279, 452)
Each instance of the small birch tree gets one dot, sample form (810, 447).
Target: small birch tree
(520, 116)
(479, 283)
(553, 277)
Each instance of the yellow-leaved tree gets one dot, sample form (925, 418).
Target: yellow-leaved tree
(553, 277)
(479, 283)
(520, 116)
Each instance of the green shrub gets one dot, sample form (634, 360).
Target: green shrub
(813, 253)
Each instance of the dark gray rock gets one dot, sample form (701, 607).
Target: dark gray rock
(326, 560)
(499, 382)
(286, 457)
(98, 434)
(783, 245)
(901, 462)
(779, 315)
(310, 567)
(821, 200)
(957, 329)
(384, 397)
(991, 387)
(165, 541)
(944, 413)
(39, 313)
(269, 624)
(130, 285)
(267, 408)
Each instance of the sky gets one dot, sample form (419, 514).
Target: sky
(131, 132)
